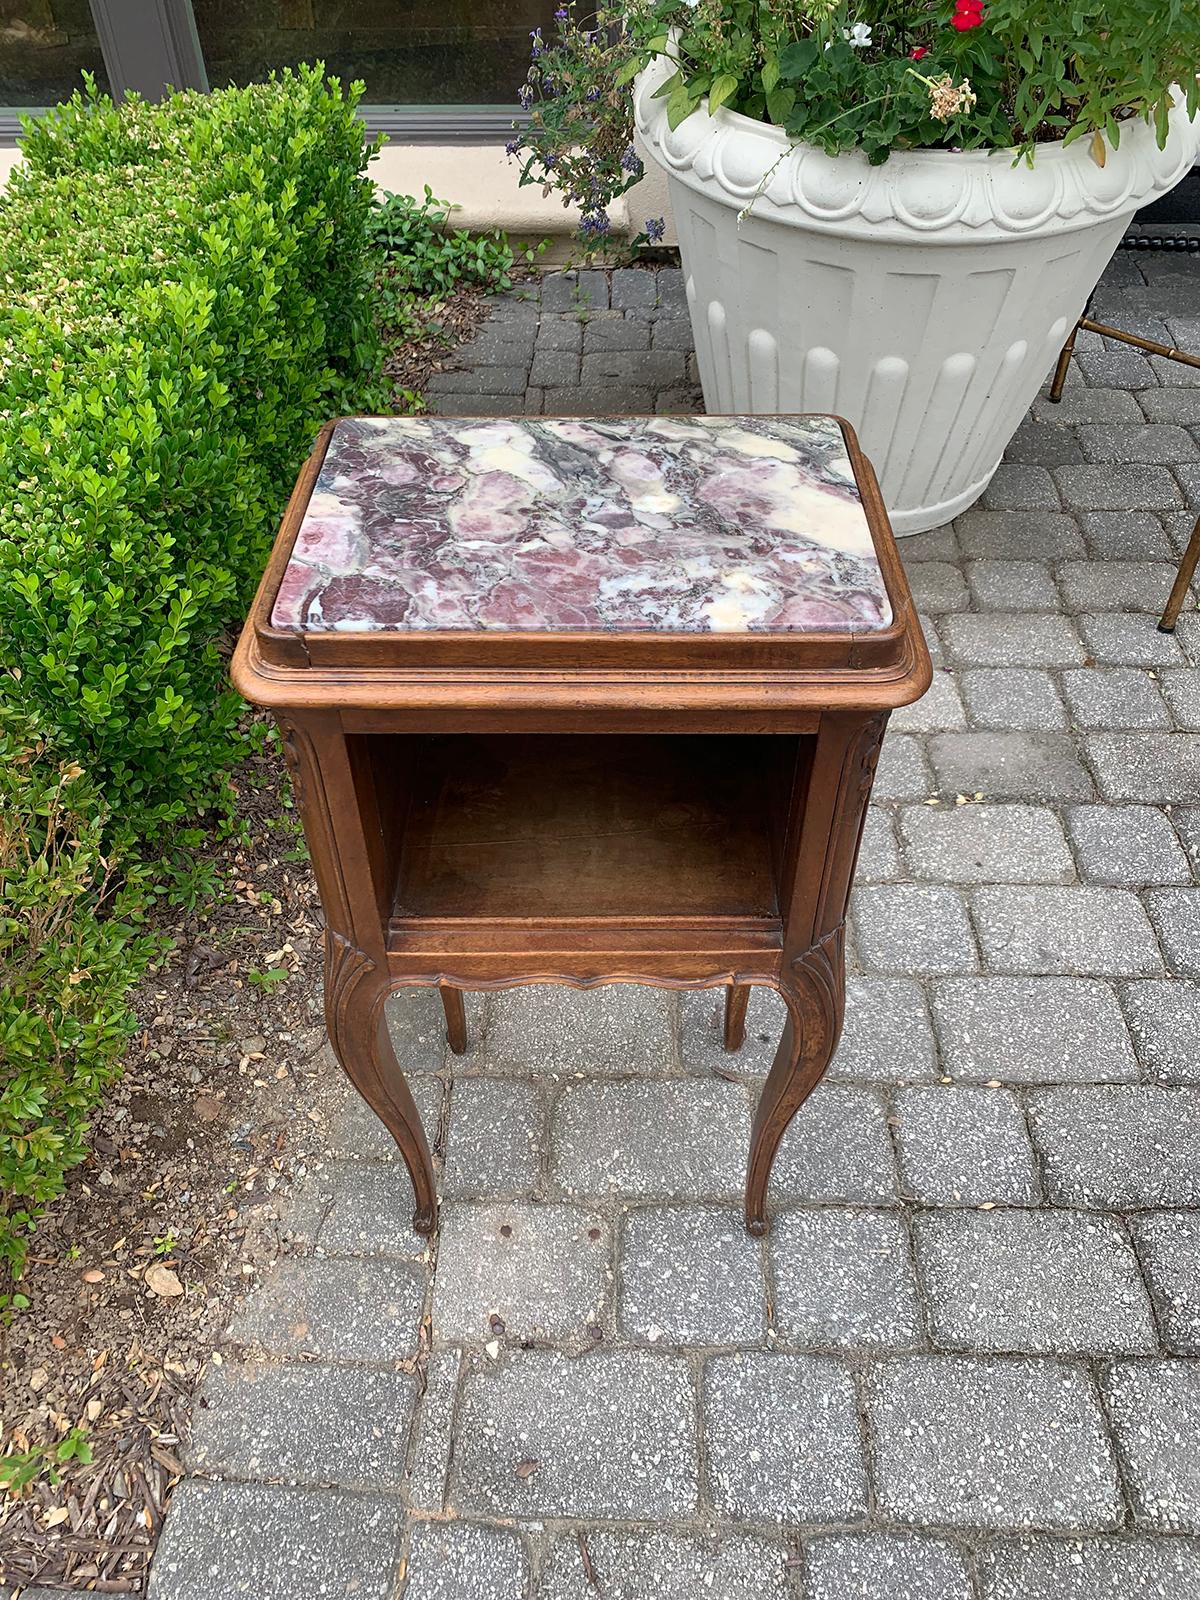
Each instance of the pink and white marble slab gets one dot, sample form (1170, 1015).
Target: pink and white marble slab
(623, 524)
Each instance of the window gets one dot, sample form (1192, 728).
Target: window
(433, 69)
(44, 47)
(407, 52)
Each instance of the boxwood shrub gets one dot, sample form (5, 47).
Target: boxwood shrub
(68, 952)
(187, 294)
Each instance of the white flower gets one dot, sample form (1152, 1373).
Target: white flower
(859, 36)
(693, 3)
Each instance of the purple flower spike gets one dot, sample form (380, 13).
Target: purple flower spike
(655, 228)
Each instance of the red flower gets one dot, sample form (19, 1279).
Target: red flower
(967, 14)
(915, 55)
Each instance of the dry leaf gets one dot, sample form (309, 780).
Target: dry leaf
(1099, 151)
(93, 1275)
(162, 1281)
(526, 1468)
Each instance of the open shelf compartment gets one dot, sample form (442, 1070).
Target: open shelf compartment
(567, 828)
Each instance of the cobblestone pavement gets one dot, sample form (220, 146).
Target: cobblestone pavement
(961, 1366)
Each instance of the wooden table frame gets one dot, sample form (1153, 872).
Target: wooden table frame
(333, 693)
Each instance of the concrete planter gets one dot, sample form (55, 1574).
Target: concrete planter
(924, 300)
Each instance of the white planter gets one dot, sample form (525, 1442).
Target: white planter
(924, 300)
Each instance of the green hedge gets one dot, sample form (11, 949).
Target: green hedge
(68, 953)
(187, 294)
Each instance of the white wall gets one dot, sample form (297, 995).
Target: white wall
(481, 182)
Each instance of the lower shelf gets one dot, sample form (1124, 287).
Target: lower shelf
(565, 828)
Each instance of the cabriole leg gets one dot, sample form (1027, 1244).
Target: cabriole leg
(355, 992)
(816, 997)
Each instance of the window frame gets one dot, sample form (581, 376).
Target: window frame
(152, 45)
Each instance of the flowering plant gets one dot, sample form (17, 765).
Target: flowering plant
(872, 75)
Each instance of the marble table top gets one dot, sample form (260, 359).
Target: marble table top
(674, 524)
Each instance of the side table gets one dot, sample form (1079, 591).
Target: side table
(584, 701)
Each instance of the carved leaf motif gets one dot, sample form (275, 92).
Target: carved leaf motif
(291, 755)
(869, 747)
(345, 966)
(823, 965)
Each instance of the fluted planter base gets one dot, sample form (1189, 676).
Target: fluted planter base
(922, 518)
(925, 300)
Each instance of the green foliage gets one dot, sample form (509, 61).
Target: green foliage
(268, 978)
(871, 75)
(426, 256)
(190, 289)
(188, 294)
(20, 1469)
(1083, 67)
(579, 139)
(423, 262)
(69, 948)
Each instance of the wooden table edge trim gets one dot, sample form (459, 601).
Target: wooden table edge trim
(386, 649)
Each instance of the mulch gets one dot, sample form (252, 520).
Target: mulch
(445, 324)
(135, 1272)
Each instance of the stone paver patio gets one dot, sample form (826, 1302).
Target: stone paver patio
(962, 1366)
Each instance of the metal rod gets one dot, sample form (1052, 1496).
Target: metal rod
(1187, 571)
(1187, 567)
(1064, 361)
(1167, 351)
